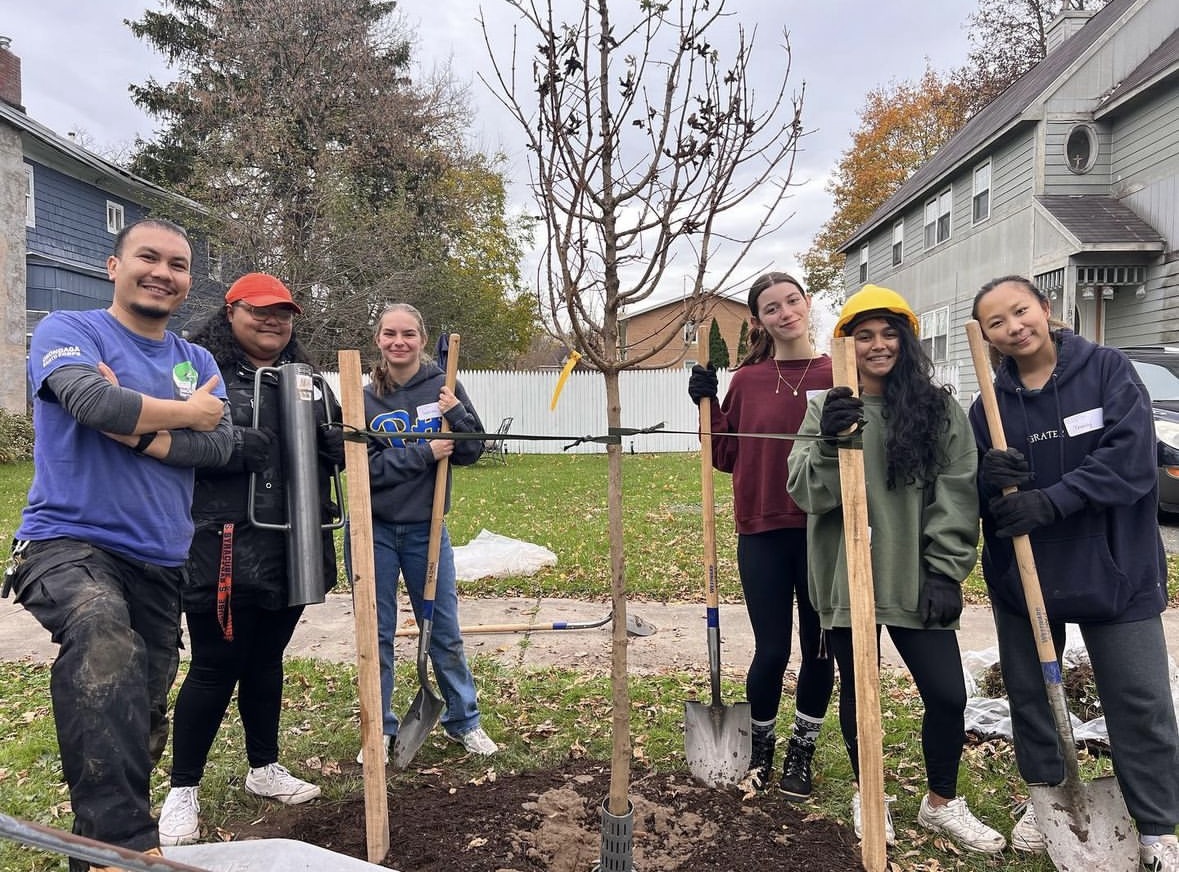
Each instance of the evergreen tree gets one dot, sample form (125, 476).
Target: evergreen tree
(299, 127)
(743, 341)
(718, 351)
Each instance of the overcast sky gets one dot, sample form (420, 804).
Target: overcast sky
(78, 58)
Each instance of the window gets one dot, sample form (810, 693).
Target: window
(1080, 148)
(114, 217)
(689, 332)
(898, 243)
(937, 218)
(981, 203)
(935, 333)
(30, 205)
(864, 262)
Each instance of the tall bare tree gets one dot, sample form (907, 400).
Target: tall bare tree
(298, 124)
(648, 147)
(1008, 38)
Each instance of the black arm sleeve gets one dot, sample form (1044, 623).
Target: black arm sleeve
(93, 401)
(196, 449)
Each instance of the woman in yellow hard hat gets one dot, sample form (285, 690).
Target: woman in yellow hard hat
(920, 463)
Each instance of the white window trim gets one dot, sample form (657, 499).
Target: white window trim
(865, 252)
(30, 200)
(948, 213)
(115, 218)
(898, 239)
(977, 192)
(930, 334)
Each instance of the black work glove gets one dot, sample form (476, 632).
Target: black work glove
(257, 446)
(941, 600)
(1003, 469)
(1021, 512)
(331, 444)
(702, 383)
(840, 411)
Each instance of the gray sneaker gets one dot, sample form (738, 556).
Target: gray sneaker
(360, 753)
(1162, 856)
(180, 821)
(890, 833)
(1026, 835)
(275, 782)
(955, 820)
(476, 741)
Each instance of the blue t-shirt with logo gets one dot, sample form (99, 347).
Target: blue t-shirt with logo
(88, 486)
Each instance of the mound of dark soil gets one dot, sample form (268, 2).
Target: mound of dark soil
(551, 821)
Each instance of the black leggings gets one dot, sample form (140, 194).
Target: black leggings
(253, 662)
(773, 571)
(936, 666)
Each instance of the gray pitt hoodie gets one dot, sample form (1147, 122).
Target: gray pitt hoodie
(402, 468)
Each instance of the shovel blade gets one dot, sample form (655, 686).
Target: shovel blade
(1086, 826)
(422, 717)
(717, 742)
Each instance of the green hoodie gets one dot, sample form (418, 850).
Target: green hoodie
(911, 530)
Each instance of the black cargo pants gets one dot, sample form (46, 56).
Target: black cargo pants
(118, 626)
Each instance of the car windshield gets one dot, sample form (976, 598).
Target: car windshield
(1161, 383)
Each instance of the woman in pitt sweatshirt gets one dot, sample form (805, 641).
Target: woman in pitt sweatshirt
(408, 395)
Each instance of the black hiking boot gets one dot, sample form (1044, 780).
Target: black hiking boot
(796, 770)
(761, 758)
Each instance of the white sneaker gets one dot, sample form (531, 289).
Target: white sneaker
(955, 820)
(476, 741)
(180, 822)
(1026, 835)
(890, 834)
(360, 753)
(1162, 856)
(275, 782)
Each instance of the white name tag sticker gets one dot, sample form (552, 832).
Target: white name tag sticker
(811, 394)
(1085, 422)
(429, 412)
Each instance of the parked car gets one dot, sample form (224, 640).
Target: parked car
(1158, 367)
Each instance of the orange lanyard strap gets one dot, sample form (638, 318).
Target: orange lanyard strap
(225, 583)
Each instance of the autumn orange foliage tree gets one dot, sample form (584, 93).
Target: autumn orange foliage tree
(901, 126)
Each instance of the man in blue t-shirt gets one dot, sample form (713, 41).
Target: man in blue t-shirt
(123, 412)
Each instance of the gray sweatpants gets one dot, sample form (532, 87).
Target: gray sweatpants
(1130, 668)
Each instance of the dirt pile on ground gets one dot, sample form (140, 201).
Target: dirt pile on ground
(551, 820)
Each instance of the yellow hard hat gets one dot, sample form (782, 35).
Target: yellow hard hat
(873, 298)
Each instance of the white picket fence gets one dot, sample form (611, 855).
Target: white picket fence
(648, 397)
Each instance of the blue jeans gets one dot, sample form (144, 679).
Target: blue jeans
(402, 549)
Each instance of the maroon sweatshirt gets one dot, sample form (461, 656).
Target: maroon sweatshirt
(760, 501)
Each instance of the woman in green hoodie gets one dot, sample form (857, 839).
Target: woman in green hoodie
(920, 464)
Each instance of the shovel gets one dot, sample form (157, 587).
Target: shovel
(1086, 826)
(717, 737)
(427, 706)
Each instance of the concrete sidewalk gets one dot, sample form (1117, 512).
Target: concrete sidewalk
(327, 631)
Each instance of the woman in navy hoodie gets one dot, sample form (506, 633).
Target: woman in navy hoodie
(407, 396)
(1081, 451)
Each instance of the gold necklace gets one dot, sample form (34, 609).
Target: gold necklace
(782, 381)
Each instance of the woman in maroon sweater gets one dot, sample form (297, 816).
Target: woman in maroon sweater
(768, 394)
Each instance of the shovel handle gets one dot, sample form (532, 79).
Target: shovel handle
(708, 514)
(1029, 578)
(438, 509)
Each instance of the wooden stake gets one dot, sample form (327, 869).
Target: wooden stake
(856, 537)
(364, 600)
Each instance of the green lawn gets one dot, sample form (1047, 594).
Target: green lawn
(559, 502)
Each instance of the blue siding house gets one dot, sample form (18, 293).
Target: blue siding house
(60, 208)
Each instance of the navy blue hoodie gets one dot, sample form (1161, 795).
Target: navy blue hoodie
(1089, 439)
(402, 468)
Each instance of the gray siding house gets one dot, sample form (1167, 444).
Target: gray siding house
(1070, 177)
(60, 208)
